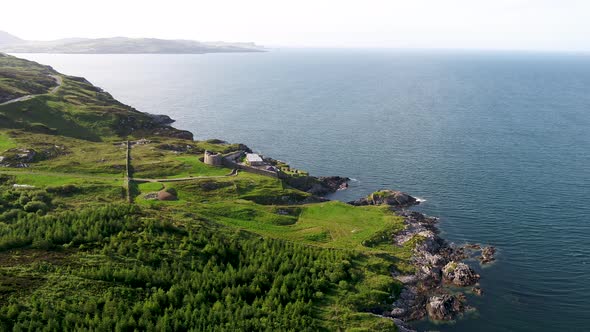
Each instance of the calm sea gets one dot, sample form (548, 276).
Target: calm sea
(496, 143)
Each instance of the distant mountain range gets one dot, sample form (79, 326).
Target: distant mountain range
(120, 45)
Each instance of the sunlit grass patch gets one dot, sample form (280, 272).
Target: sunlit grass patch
(6, 142)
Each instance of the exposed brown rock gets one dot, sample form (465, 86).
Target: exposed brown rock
(166, 196)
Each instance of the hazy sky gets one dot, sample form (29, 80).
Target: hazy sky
(495, 24)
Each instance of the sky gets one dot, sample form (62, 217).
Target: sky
(550, 25)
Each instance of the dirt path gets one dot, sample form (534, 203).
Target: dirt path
(59, 80)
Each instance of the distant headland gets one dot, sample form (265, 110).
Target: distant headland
(121, 45)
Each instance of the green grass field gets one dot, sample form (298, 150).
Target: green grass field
(194, 167)
(149, 187)
(6, 142)
(153, 163)
(331, 224)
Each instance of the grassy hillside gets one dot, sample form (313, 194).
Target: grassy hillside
(230, 252)
(76, 109)
(19, 78)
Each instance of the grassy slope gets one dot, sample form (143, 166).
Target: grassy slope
(82, 123)
(19, 78)
(78, 109)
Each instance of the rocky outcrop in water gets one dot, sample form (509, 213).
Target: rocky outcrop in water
(387, 197)
(334, 183)
(477, 291)
(459, 274)
(487, 255)
(438, 263)
(444, 307)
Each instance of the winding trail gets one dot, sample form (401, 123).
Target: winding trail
(58, 79)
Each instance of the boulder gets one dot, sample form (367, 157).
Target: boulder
(18, 157)
(477, 291)
(444, 307)
(472, 246)
(398, 312)
(334, 183)
(487, 255)
(459, 274)
(431, 243)
(166, 196)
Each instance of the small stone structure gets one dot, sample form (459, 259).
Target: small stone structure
(254, 159)
(232, 160)
(214, 159)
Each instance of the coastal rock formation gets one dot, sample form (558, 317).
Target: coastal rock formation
(477, 290)
(161, 119)
(334, 183)
(168, 131)
(487, 255)
(318, 186)
(444, 307)
(459, 274)
(387, 197)
(437, 263)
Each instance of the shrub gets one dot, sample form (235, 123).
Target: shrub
(34, 206)
(9, 215)
(67, 189)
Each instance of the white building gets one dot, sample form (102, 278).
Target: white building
(254, 159)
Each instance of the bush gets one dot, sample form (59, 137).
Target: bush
(9, 215)
(42, 244)
(34, 206)
(67, 189)
(24, 199)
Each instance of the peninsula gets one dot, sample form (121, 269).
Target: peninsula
(112, 219)
(121, 45)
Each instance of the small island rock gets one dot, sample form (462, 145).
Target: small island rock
(487, 255)
(444, 307)
(477, 291)
(459, 274)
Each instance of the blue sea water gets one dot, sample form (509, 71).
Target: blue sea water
(497, 144)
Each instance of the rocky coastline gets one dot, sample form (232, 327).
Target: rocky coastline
(442, 277)
(438, 265)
